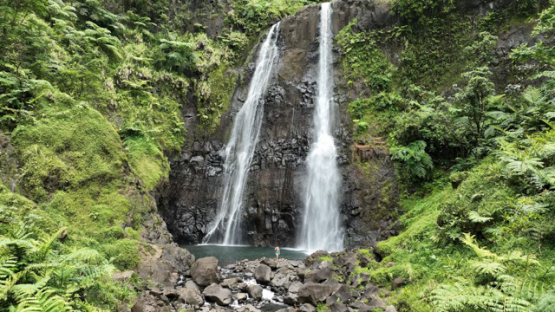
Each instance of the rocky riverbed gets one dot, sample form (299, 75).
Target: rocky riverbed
(325, 281)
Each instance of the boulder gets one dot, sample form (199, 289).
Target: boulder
(169, 292)
(218, 294)
(390, 309)
(377, 303)
(279, 280)
(337, 307)
(318, 275)
(241, 297)
(263, 274)
(365, 261)
(148, 303)
(294, 287)
(255, 291)
(397, 282)
(191, 296)
(314, 293)
(290, 299)
(191, 285)
(343, 295)
(307, 307)
(205, 271)
(272, 263)
(371, 291)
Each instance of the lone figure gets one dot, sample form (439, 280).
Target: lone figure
(277, 252)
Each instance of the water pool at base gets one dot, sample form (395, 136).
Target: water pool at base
(229, 254)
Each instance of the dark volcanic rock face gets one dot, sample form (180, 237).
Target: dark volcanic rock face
(273, 204)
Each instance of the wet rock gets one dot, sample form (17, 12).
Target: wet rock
(255, 291)
(190, 296)
(314, 293)
(205, 271)
(263, 274)
(218, 294)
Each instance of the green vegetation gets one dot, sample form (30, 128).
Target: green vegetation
(472, 150)
(91, 94)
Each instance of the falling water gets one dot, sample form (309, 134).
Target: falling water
(321, 227)
(240, 149)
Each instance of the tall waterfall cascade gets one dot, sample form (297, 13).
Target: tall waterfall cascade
(239, 151)
(321, 227)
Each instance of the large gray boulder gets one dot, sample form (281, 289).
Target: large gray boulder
(191, 285)
(314, 293)
(218, 294)
(255, 291)
(294, 287)
(280, 280)
(205, 271)
(190, 296)
(263, 274)
(318, 275)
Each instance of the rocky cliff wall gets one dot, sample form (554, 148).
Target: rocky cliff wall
(189, 201)
(272, 213)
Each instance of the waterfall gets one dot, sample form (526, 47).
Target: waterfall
(321, 228)
(240, 148)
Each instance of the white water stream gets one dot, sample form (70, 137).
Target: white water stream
(321, 228)
(240, 148)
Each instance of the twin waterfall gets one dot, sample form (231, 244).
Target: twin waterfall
(241, 145)
(321, 226)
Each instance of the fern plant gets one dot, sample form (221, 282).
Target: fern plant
(35, 275)
(503, 289)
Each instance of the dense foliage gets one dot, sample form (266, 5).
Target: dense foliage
(91, 94)
(473, 149)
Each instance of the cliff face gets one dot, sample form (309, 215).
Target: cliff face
(274, 197)
(272, 214)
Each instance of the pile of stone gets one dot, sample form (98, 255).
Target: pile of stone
(322, 279)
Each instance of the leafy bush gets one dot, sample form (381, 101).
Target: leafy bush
(415, 163)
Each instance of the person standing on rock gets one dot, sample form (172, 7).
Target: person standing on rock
(277, 252)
